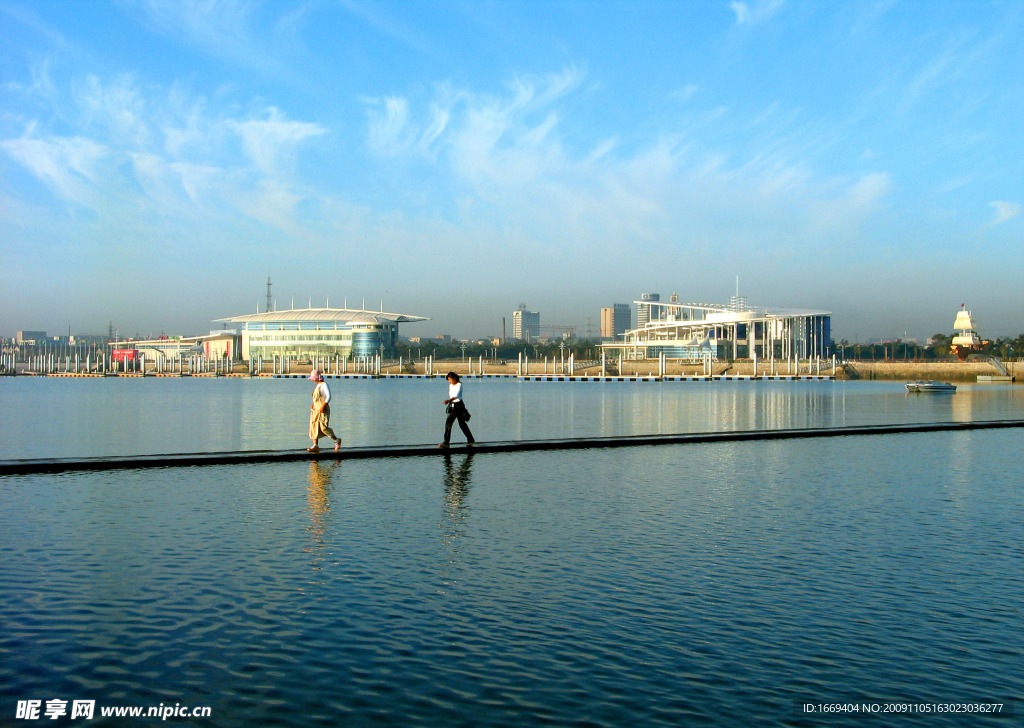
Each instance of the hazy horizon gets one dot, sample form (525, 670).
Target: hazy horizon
(420, 329)
(160, 158)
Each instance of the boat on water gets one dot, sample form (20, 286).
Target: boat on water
(930, 385)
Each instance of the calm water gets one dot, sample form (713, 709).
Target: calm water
(57, 417)
(708, 584)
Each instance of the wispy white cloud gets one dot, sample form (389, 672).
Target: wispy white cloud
(149, 155)
(245, 38)
(27, 17)
(117, 108)
(836, 218)
(73, 167)
(426, 131)
(866, 192)
(393, 132)
(494, 166)
(222, 28)
(933, 74)
(272, 140)
(472, 127)
(755, 12)
(274, 204)
(389, 134)
(1004, 211)
(390, 25)
(514, 163)
(439, 117)
(685, 93)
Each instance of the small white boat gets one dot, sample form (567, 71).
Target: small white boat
(930, 386)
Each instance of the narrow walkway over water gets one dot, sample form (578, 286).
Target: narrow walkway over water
(128, 462)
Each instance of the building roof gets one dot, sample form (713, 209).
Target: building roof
(722, 308)
(794, 312)
(326, 314)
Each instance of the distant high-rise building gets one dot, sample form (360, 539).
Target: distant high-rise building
(615, 320)
(525, 324)
(29, 337)
(643, 311)
(738, 303)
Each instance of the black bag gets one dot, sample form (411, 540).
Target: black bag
(459, 410)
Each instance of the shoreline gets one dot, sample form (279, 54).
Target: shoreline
(952, 371)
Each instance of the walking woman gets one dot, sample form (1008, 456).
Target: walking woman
(456, 411)
(320, 413)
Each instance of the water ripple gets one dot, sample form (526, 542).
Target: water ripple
(656, 586)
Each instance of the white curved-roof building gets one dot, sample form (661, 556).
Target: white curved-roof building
(309, 332)
(691, 331)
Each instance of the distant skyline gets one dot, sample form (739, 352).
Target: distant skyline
(160, 158)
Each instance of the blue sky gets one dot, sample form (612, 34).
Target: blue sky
(453, 159)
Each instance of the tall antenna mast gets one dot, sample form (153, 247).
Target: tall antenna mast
(269, 299)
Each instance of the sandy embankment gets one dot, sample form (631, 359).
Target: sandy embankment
(947, 371)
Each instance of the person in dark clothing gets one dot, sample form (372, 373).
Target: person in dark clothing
(456, 411)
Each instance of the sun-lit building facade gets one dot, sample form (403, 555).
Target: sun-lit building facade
(696, 331)
(525, 325)
(615, 320)
(317, 332)
(217, 344)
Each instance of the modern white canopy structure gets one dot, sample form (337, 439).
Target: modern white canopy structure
(307, 332)
(696, 331)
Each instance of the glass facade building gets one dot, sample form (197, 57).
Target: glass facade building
(319, 332)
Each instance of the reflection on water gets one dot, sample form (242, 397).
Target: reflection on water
(711, 584)
(319, 504)
(457, 472)
(130, 416)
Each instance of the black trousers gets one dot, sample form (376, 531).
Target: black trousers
(458, 413)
